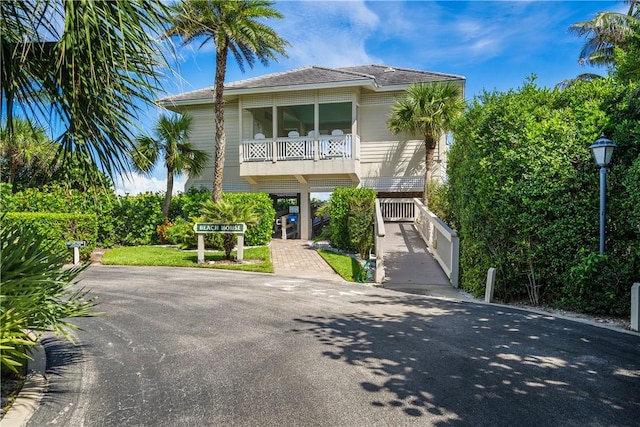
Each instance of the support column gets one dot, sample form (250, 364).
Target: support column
(305, 212)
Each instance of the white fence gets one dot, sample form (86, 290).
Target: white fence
(398, 209)
(443, 241)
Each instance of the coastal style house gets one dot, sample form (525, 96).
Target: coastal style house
(313, 129)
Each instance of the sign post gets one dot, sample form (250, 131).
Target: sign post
(76, 245)
(201, 228)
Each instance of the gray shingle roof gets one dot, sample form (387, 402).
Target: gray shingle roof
(377, 75)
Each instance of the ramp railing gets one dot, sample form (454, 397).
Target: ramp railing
(441, 240)
(379, 232)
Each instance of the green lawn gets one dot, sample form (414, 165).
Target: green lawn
(344, 265)
(256, 259)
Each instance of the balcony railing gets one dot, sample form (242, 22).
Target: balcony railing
(323, 147)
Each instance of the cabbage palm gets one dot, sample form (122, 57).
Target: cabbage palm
(172, 146)
(88, 65)
(234, 27)
(25, 151)
(427, 109)
(229, 213)
(605, 32)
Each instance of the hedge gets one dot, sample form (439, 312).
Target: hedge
(351, 219)
(524, 194)
(59, 228)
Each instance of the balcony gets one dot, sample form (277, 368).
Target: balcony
(301, 156)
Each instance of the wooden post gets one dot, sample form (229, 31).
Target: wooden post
(76, 255)
(240, 249)
(200, 248)
(283, 224)
(491, 281)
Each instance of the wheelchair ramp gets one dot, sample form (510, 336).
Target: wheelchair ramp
(409, 266)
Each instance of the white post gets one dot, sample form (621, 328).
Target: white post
(76, 255)
(304, 231)
(240, 249)
(200, 248)
(491, 281)
(283, 221)
(635, 307)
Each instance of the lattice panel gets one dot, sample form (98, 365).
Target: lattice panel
(328, 184)
(336, 148)
(280, 186)
(295, 98)
(394, 184)
(379, 98)
(294, 149)
(257, 101)
(258, 151)
(334, 96)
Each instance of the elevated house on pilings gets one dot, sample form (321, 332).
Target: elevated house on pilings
(311, 130)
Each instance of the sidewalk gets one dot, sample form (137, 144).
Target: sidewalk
(294, 258)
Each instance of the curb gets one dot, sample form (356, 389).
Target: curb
(31, 393)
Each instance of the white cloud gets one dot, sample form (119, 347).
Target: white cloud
(136, 184)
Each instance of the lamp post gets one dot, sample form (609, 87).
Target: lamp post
(602, 150)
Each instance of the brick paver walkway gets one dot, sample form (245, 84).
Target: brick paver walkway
(296, 259)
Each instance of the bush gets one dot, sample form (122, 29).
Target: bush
(136, 219)
(57, 229)
(37, 292)
(259, 234)
(524, 191)
(352, 213)
(181, 233)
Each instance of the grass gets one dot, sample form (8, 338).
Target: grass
(344, 265)
(256, 259)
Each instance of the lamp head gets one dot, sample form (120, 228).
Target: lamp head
(602, 150)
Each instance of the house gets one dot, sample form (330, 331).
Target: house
(313, 129)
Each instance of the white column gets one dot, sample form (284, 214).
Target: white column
(305, 212)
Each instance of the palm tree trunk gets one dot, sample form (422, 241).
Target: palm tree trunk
(430, 149)
(167, 197)
(221, 68)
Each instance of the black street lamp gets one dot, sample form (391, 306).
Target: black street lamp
(602, 150)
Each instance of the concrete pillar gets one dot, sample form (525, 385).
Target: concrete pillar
(635, 307)
(305, 212)
(491, 282)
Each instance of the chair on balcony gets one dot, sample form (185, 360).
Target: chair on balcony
(312, 133)
(258, 136)
(337, 132)
(294, 134)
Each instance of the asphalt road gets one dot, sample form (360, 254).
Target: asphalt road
(196, 347)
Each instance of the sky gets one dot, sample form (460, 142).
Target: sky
(495, 45)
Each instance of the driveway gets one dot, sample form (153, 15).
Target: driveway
(197, 347)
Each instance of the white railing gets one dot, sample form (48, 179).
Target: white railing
(442, 241)
(324, 147)
(398, 209)
(380, 232)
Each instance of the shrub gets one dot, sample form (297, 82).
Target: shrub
(260, 233)
(37, 292)
(181, 233)
(524, 191)
(136, 219)
(351, 219)
(57, 229)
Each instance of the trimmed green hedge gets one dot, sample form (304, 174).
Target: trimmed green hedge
(59, 228)
(524, 194)
(351, 219)
(259, 234)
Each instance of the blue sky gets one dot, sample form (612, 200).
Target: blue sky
(494, 44)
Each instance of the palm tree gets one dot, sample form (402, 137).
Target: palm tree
(428, 109)
(227, 212)
(170, 143)
(25, 152)
(232, 26)
(89, 65)
(605, 32)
